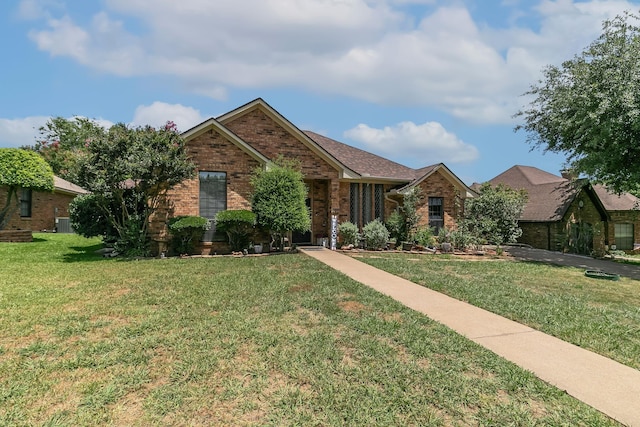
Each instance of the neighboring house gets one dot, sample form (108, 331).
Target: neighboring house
(38, 211)
(624, 227)
(350, 183)
(561, 213)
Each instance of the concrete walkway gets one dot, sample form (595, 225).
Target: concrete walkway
(602, 383)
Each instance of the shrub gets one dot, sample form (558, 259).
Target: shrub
(239, 226)
(424, 237)
(397, 226)
(133, 241)
(185, 230)
(462, 238)
(349, 234)
(376, 235)
(88, 220)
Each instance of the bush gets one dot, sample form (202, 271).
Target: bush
(239, 226)
(185, 230)
(133, 241)
(349, 234)
(462, 238)
(397, 226)
(424, 237)
(88, 220)
(376, 235)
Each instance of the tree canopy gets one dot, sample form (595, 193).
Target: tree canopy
(63, 141)
(493, 215)
(279, 198)
(21, 169)
(129, 171)
(589, 108)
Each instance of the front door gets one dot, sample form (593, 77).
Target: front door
(304, 238)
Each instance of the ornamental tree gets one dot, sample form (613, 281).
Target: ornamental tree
(129, 170)
(279, 199)
(63, 141)
(493, 215)
(21, 169)
(589, 108)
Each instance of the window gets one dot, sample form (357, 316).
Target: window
(25, 202)
(213, 199)
(366, 203)
(379, 201)
(624, 236)
(436, 213)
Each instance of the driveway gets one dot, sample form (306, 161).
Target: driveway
(571, 260)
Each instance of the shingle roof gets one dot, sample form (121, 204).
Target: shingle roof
(549, 195)
(614, 202)
(363, 162)
(64, 186)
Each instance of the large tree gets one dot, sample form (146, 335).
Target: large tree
(62, 142)
(21, 169)
(279, 199)
(129, 171)
(589, 108)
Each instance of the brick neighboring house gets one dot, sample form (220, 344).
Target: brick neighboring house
(561, 214)
(38, 211)
(353, 184)
(624, 227)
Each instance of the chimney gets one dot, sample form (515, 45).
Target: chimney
(568, 174)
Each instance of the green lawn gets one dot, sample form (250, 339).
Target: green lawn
(599, 315)
(274, 340)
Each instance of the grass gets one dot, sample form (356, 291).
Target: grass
(599, 315)
(276, 340)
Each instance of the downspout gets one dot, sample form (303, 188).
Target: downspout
(548, 236)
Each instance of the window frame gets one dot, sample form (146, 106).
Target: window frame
(26, 203)
(436, 219)
(208, 209)
(626, 241)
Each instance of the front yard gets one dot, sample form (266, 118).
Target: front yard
(276, 340)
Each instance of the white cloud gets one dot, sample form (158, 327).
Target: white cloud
(24, 131)
(365, 49)
(159, 113)
(429, 141)
(19, 132)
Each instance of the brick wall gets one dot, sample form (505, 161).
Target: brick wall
(44, 209)
(553, 235)
(212, 152)
(18, 236)
(437, 185)
(269, 138)
(624, 217)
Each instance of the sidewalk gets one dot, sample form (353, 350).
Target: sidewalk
(602, 383)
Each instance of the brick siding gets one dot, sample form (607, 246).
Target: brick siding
(44, 209)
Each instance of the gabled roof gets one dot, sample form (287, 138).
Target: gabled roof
(549, 196)
(614, 202)
(263, 106)
(426, 172)
(364, 163)
(351, 162)
(218, 127)
(63, 186)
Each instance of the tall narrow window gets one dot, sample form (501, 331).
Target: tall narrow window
(366, 204)
(379, 201)
(213, 198)
(354, 199)
(624, 236)
(25, 202)
(436, 213)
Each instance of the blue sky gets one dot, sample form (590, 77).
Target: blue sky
(417, 81)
